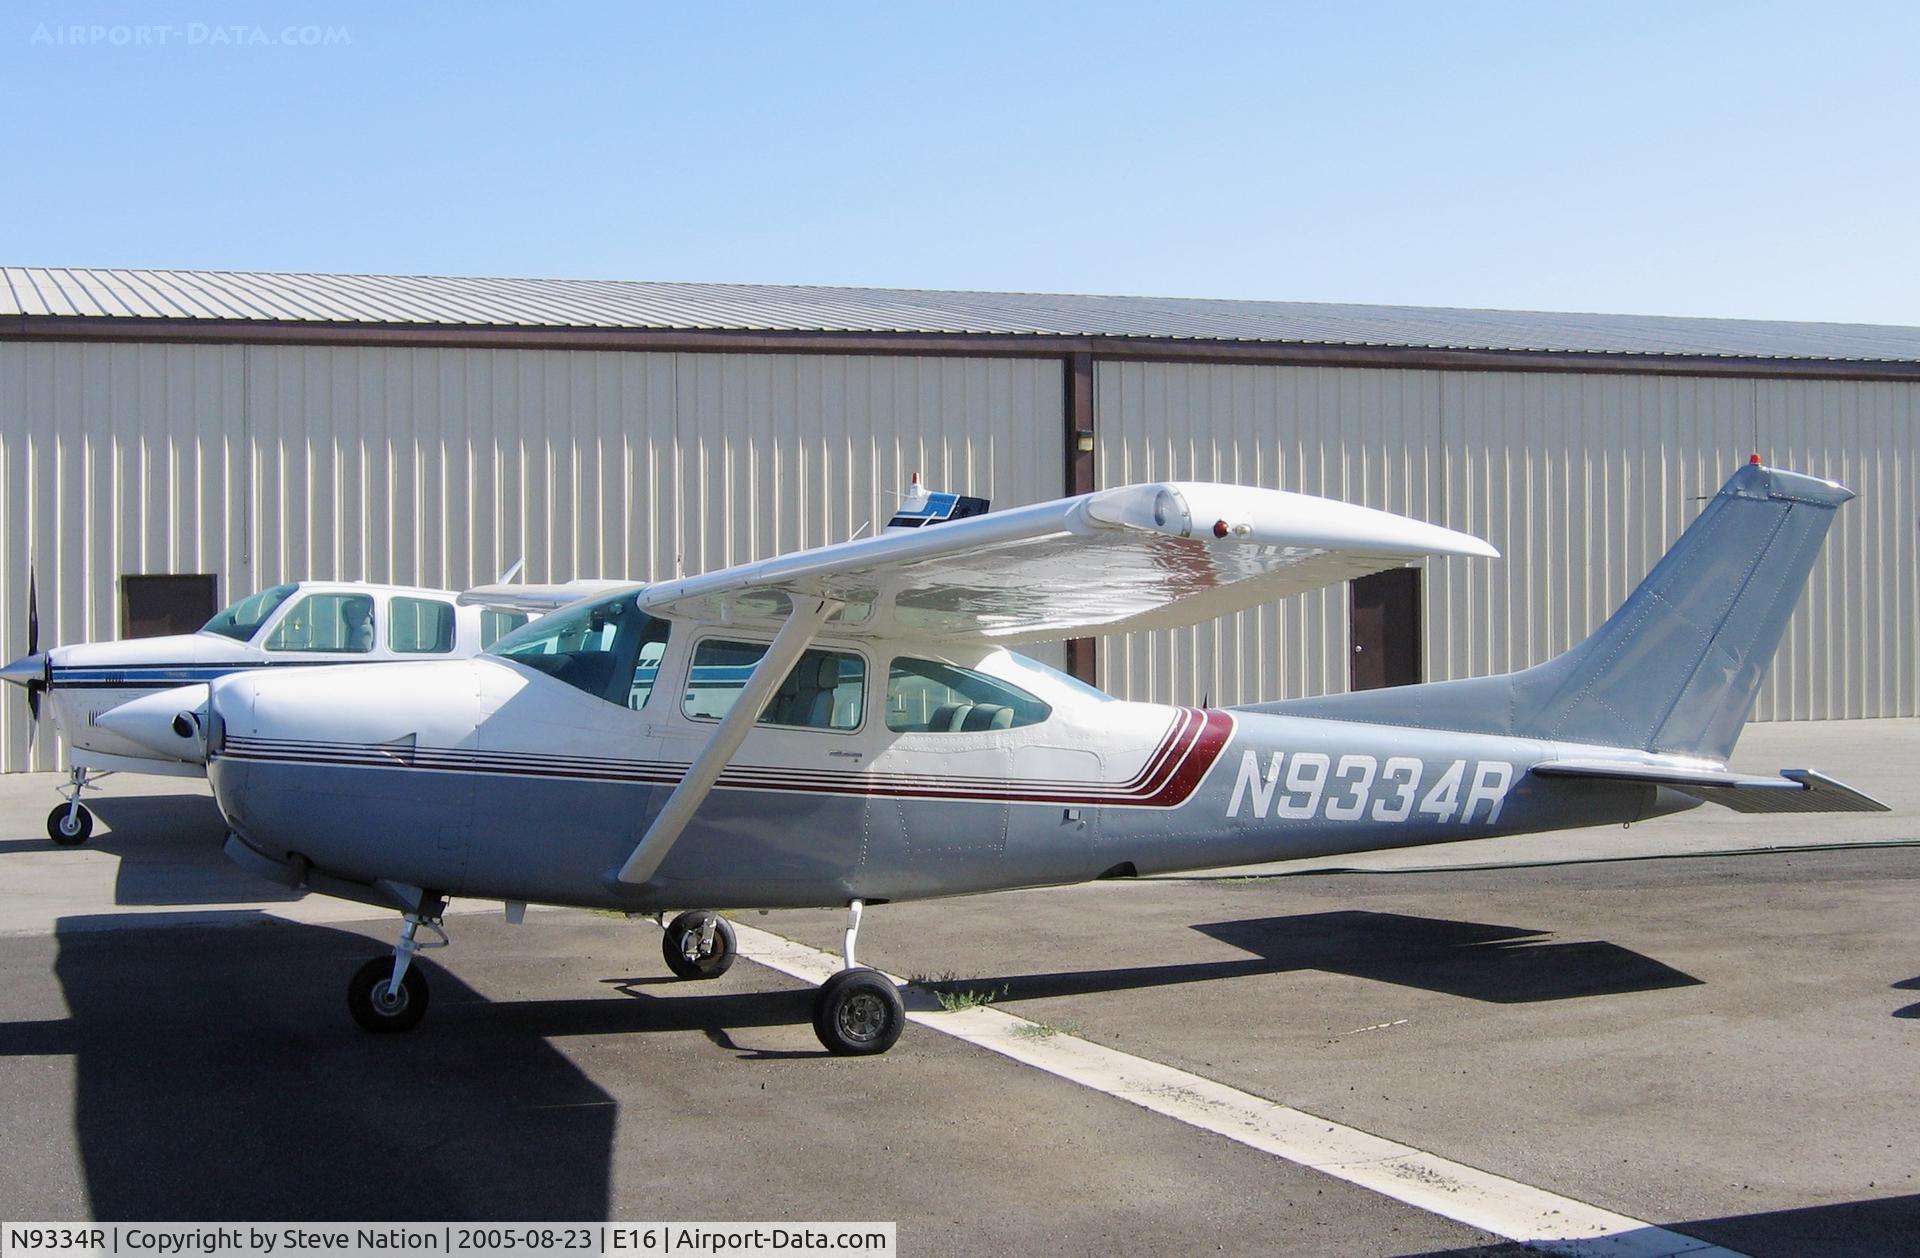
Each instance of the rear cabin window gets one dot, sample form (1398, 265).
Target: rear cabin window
(928, 697)
(825, 690)
(420, 626)
(609, 649)
(335, 623)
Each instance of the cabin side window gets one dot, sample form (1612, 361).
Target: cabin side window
(928, 697)
(825, 690)
(419, 626)
(335, 623)
(609, 649)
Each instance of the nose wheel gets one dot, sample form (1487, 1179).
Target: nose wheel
(390, 995)
(71, 824)
(378, 1006)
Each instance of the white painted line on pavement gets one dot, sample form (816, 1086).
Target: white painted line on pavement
(1426, 1181)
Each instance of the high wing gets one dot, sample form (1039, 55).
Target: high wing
(1138, 557)
(1794, 790)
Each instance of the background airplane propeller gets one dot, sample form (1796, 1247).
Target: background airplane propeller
(34, 688)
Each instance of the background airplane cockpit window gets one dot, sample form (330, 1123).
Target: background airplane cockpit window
(242, 620)
(927, 697)
(326, 622)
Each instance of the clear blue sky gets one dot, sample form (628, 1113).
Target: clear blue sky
(1723, 159)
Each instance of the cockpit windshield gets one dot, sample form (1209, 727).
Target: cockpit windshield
(608, 648)
(241, 621)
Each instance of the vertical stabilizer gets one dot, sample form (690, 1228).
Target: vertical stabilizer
(1678, 666)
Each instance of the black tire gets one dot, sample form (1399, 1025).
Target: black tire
(683, 935)
(858, 1013)
(72, 835)
(368, 1003)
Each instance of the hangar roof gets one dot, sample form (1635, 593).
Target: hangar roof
(31, 296)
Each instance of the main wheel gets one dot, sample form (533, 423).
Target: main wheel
(858, 1012)
(69, 826)
(681, 945)
(376, 1009)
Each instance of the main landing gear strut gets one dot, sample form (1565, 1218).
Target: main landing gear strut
(857, 1012)
(70, 824)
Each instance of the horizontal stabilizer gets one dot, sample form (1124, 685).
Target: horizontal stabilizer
(1794, 790)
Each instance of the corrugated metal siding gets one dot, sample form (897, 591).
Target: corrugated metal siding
(441, 467)
(448, 301)
(1582, 481)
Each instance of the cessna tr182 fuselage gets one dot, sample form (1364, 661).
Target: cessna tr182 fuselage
(841, 727)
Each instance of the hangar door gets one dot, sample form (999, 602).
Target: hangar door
(1384, 630)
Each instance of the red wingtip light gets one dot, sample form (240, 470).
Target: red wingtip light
(1755, 460)
(1219, 528)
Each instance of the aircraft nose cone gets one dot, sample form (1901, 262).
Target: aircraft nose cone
(172, 723)
(26, 670)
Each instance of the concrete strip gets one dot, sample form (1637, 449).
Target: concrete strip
(1504, 1207)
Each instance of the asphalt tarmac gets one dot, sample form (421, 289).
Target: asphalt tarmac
(1722, 1045)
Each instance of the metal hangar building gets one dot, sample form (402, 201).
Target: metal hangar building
(213, 433)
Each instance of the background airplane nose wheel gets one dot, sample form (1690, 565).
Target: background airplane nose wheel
(857, 1013)
(377, 1009)
(69, 826)
(699, 944)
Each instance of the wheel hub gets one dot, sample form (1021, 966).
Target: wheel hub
(387, 1000)
(862, 1017)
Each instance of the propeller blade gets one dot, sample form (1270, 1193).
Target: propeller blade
(33, 648)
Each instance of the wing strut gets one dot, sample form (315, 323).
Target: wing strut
(800, 627)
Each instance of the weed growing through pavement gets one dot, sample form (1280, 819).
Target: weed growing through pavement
(953, 996)
(1046, 1030)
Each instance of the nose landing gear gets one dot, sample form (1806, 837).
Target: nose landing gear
(71, 824)
(387, 996)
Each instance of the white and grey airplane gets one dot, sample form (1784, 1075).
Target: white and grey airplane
(845, 726)
(301, 623)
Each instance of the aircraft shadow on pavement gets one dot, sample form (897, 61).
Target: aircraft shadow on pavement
(169, 847)
(1908, 985)
(1881, 1227)
(219, 1077)
(1479, 960)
